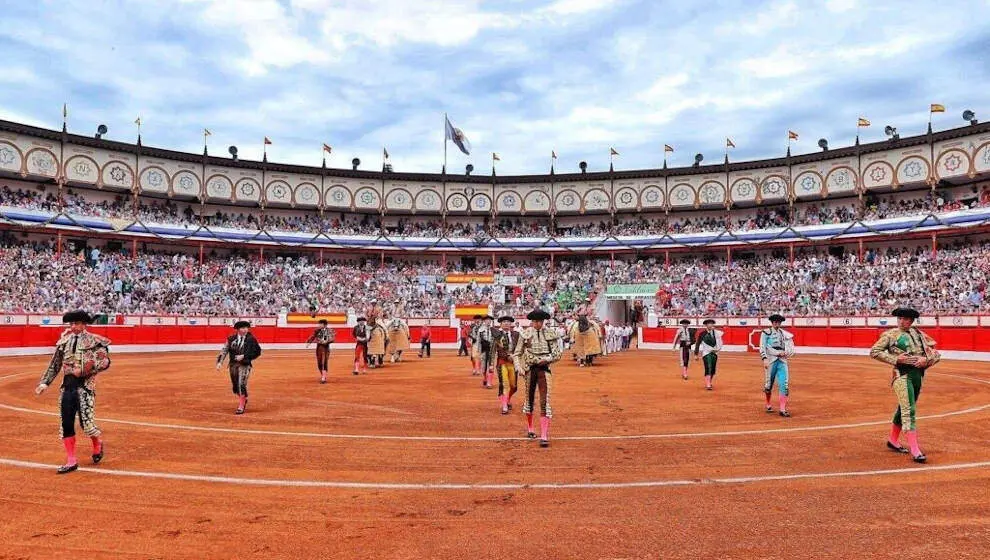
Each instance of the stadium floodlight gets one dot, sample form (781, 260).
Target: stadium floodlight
(355, 163)
(468, 169)
(584, 166)
(100, 131)
(892, 132)
(233, 152)
(970, 116)
(698, 158)
(823, 144)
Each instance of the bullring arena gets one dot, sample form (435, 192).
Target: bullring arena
(169, 249)
(414, 461)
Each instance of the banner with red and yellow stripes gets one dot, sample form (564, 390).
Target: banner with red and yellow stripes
(469, 311)
(307, 319)
(468, 278)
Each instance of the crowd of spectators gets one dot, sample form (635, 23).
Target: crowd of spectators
(37, 277)
(188, 215)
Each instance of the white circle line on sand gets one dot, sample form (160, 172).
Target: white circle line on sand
(675, 435)
(494, 486)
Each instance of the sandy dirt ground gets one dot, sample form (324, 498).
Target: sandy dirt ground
(415, 461)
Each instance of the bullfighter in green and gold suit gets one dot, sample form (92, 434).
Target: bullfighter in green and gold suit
(911, 352)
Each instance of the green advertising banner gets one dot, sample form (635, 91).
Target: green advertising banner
(631, 291)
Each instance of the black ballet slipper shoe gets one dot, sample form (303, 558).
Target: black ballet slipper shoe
(355, 372)
(531, 435)
(769, 410)
(544, 443)
(505, 411)
(65, 469)
(897, 448)
(323, 381)
(709, 388)
(97, 457)
(785, 414)
(239, 411)
(920, 458)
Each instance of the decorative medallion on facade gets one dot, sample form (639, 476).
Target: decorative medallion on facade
(186, 183)
(711, 194)
(43, 162)
(367, 198)
(626, 197)
(569, 200)
(509, 201)
(156, 179)
(913, 169)
(809, 184)
(538, 200)
(337, 196)
(744, 189)
(598, 201)
(278, 191)
(118, 173)
(952, 163)
(841, 178)
(7, 155)
(82, 168)
(682, 195)
(429, 200)
(399, 198)
(653, 196)
(218, 187)
(986, 155)
(774, 187)
(481, 202)
(878, 174)
(307, 193)
(457, 202)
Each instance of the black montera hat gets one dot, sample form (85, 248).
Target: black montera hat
(506, 319)
(708, 322)
(906, 312)
(77, 316)
(685, 322)
(776, 318)
(538, 315)
(242, 324)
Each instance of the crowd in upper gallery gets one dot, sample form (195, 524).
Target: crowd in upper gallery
(78, 202)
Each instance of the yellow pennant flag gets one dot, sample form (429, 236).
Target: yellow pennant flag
(327, 148)
(862, 122)
(937, 108)
(791, 135)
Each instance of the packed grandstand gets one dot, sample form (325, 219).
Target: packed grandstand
(921, 242)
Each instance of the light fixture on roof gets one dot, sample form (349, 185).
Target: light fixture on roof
(468, 169)
(823, 144)
(355, 163)
(584, 166)
(698, 158)
(970, 116)
(892, 132)
(233, 152)
(100, 131)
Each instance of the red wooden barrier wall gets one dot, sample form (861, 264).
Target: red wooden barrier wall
(19, 336)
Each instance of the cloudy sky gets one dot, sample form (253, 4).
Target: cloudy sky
(520, 77)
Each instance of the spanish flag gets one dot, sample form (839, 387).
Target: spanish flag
(729, 143)
(667, 149)
(206, 132)
(495, 157)
(267, 141)
(862, 122)
(327, 149)
(469, 311)
(937, 108)
(612, 152)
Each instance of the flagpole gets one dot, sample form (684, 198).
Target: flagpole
(444, 142)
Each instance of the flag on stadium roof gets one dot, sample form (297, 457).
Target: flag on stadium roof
(327, 149)
(667, 148)
(862, 122)
(267, 141)
(457, 136)
(729, 143)
(791, 135)
(612, 152)
(937, 108)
